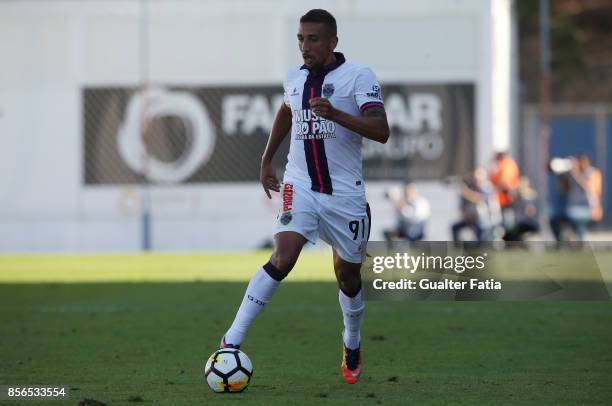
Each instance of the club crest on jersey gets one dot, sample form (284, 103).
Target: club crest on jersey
(286, 218)
(328, 89)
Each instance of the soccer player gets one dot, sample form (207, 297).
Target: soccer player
(329, 105)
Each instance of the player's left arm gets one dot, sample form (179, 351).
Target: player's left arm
(372, 124)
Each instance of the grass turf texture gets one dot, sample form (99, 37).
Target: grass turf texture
(121, 341)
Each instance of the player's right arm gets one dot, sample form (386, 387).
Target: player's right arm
(280, 129)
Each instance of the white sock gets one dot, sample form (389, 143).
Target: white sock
(352, 312)
(258, 293)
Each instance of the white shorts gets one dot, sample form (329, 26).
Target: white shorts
(341, 221)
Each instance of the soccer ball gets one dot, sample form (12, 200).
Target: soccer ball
(228, 370)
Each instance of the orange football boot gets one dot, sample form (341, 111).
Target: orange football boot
(351, 364)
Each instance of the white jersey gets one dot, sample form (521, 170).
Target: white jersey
(324, 156)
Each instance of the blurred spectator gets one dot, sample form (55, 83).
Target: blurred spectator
(478, 207)
(525, 214)
(558, 195)
(581, 184)
(412, 212)
(505, 178)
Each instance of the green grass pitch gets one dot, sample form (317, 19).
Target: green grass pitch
(132, 329)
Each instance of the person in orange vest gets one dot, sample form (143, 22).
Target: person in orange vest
(590, 180)
(505, 178)
(526, 213)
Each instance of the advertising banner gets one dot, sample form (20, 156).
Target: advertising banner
(218, 134)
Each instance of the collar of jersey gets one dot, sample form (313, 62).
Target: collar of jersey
(328, 68)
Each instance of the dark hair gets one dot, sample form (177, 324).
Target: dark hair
(318, 15)
(583, 155)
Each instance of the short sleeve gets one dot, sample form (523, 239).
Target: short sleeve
(367, 90)
(286, 94)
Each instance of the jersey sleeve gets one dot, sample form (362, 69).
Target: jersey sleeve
(286, 98)
(367, 90)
